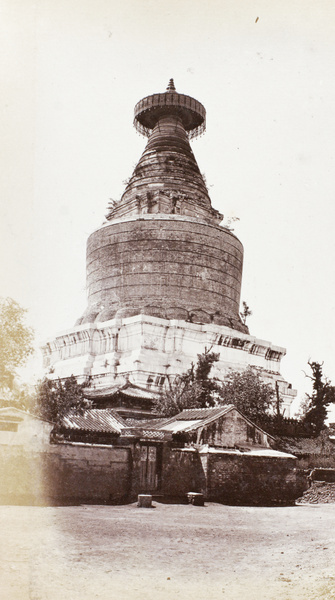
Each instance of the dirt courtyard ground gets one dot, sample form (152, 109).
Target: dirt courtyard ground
(170, 551)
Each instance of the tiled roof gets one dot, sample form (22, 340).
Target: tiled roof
(127, 390)
(192, 414)
(192, 419)
(148, 423)
(177, 426)
(95, 419)
(101, 393)
(135, 392)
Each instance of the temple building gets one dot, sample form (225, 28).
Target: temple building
(163, 278)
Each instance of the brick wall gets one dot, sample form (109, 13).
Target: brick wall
(182, 472)
(68, 473)
(252, 479)
(233, 430)
(314, 460)
(64, 473)
(168, 268)
(232, 478)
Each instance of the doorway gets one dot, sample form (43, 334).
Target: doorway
(150, 468)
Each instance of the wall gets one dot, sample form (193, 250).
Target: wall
(311, 451)
(233, 430)
(252, 479)
(142, 346)
(182, 472)
(314, 460)
(232, 478)
(20, 428)
(323, 475)
(75, 473)
(64, 473)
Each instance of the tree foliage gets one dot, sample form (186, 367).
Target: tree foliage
(246, 390)
(245, 313)
(197, 389)
(15, 341)
(55, 398)
(193, 389)
(316, 403)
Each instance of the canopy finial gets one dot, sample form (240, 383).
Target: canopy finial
(171, 86)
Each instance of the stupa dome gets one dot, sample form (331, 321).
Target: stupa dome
(163, 252)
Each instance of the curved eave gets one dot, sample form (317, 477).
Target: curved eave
(127, 392)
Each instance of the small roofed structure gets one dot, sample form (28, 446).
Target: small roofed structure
(129, 401)
(221, 454)
(94, 426)
(219, 427)
(106, 426)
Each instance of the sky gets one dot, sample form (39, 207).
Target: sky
(71, 72)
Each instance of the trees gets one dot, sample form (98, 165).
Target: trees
(15, 343)
(206, 385)
(228, 224)
(196, 389)
(245, 313)
(55, 398)
(323, 394)
(246, 390)
(193, 389)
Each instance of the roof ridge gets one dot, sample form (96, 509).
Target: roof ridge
(208, 407)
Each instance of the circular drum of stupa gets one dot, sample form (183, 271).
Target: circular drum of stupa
(169, 267)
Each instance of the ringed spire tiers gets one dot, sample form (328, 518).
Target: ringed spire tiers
(167, 178)
(150, 109)
(171, 86)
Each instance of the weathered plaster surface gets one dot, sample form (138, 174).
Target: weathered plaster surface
(147, 349)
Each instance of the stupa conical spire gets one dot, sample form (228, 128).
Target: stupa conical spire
(167, 178)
